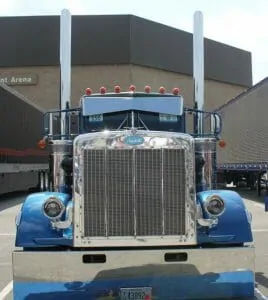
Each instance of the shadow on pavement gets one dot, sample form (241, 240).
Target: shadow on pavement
(261, 279)
(12, 199)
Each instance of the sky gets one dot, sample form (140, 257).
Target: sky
(242, 24)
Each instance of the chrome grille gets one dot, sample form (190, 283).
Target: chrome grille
(131, 192)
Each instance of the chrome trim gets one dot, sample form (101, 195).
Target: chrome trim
(134, 195)
(162, 196)
(208, 222)
(53, 199)
(58, 150)
(106, 200)
(51, 125)
(153, 140)
(210, 198)
(206, 147)
(68, 265)
(132, 120)
(66, 223)
(205, 222)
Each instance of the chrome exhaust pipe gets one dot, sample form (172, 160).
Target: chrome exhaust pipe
(62, 148)
(65, 66)
(198, 70)
(205, 148)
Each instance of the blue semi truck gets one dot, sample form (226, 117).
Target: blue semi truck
(130, 209)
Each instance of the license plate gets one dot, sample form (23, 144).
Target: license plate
(141, 293)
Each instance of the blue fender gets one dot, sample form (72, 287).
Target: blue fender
(32, 224)
(234, 225)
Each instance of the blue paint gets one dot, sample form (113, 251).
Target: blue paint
(101, 105)
(58, 241)
(35, 230)
(233, 226)
(134, 140)
(33, 224)
(210, 286)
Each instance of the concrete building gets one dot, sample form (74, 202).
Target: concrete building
(109, 50)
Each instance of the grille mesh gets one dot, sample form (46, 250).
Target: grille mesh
(134, 192)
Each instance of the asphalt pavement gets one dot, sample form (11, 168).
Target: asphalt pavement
(9, 206)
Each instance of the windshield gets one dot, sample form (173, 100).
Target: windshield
(143, 120)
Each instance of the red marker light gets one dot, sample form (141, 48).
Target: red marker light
(147, 297)
(162, 90)
(102, 90)
(147, 89)
(176, 91)
(88, 91)
(117, 89)
(132, 88)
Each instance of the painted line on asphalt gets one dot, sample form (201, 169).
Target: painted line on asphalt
(7, 289)
(259, 295)
(7, 234)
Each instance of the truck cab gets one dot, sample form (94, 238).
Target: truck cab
(131, 210)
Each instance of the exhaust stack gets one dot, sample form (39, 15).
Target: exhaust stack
(60, 149)
(198, 71)
(65, 65)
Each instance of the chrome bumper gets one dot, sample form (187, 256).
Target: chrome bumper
(198, 268)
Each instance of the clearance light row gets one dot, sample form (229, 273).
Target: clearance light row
(132, 88)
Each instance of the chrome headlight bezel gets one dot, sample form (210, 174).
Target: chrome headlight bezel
(59, 203)
(209, 201)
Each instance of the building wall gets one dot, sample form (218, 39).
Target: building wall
(45, 92)
(216, 93)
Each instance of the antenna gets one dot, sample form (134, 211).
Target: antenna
(198, 71)
(65, 65)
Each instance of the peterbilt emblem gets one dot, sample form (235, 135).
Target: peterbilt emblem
(133, 140)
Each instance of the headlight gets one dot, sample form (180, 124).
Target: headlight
(215, 205)
(53, 208)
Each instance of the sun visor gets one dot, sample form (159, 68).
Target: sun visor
(102, 105)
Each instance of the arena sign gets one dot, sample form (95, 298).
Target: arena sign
(21, 79)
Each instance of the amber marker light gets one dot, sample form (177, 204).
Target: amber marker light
(222, 143)
(42, 144)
